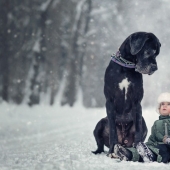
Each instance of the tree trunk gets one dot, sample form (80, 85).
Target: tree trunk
(74, 67)
(4, 49)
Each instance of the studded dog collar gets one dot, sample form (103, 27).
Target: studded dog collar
(121, 61)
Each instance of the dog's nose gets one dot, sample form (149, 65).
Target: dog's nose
(154, 67)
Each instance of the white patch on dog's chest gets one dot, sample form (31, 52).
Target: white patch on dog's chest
(124, 85)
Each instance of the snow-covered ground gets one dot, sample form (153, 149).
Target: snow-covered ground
(60, 138)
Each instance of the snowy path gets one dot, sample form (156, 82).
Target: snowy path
(45, 138)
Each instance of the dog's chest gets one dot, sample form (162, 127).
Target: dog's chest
(124, 86)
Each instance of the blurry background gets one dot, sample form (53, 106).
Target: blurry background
(56, 51)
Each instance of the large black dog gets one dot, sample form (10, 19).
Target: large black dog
(123, 90)
(125, 132)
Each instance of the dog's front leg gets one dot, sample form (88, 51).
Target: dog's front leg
(112, 125)
(138, 124)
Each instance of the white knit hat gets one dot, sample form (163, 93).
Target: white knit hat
(163, 97)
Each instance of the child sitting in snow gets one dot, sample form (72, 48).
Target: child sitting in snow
(158, 146)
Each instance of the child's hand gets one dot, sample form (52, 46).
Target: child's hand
(166, 140)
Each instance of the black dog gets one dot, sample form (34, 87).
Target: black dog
(125, 132)
(123, 90)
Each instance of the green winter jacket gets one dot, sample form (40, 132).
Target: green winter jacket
(156, 137)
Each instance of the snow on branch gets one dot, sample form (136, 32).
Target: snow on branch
(45, 5)
(78, 14)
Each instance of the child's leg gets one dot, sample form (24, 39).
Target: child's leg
(168, 146)
(164, 152)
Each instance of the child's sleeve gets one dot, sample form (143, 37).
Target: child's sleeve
(152, 136)
(158, 132)
(156, 135)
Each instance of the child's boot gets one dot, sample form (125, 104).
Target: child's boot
(144, 152)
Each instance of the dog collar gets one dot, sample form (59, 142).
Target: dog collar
(121, 61)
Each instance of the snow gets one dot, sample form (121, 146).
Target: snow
(60, 138)
(45, 5)
(36, 47)
(78, 14)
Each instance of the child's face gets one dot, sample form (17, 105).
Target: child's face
(164, 108)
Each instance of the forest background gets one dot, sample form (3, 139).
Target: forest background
(56, 51)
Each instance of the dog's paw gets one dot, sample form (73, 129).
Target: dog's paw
(97, 152)
(112, 155)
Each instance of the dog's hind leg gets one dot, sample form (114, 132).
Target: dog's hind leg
(98, 134)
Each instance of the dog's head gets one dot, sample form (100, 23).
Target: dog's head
(124, 122)
(124, 131)
(124, 126)
(144, 47)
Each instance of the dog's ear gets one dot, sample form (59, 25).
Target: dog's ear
(158, 47)
(137, 41)
(156, 41)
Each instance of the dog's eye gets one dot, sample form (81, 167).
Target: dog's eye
(154, 51)
(148, 52)
(119, 124)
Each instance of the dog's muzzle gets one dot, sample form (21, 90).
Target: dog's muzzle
(154, 67)
(147, 69)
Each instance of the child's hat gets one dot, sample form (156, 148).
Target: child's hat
(163, 97)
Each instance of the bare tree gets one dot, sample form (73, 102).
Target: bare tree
(4, 52)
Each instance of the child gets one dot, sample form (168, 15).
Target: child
(158, 146)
